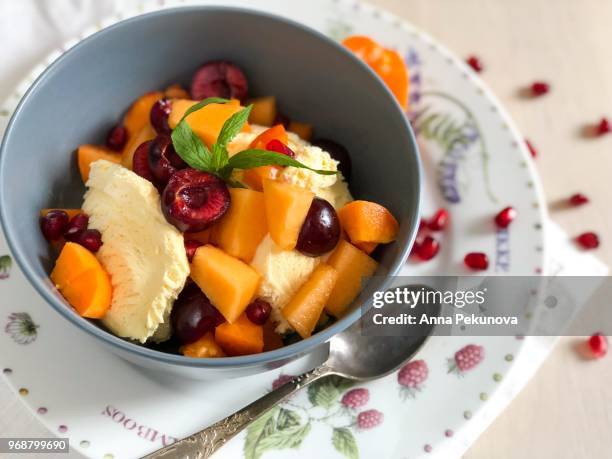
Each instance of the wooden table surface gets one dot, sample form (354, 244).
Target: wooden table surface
(564, 412)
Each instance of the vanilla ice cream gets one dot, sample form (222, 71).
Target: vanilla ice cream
(143, 254)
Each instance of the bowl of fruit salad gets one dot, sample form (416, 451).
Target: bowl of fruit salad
(209, 191)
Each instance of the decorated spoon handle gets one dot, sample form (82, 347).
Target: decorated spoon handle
(204, 443)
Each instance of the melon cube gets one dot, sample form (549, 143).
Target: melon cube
(87, 154)
(366, 221)
(242, 337)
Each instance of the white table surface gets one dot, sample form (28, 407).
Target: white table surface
(564, 412)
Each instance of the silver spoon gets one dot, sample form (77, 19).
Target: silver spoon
(351, 355)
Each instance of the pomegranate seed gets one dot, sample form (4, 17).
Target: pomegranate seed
(475, 63)
(477, 261)
(539, 88)
(588, 240)
(77, 225)
(258, 311)
(439, 221)
(117, 138)
(603, 127)
(427, 248)
(277, 146)
(54, 224)
(598, 345)
(505, 217)
(191, 246)
(578, 199)
(422, 225)
(91, 239)
(532, 150)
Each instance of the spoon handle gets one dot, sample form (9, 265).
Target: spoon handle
(205, 442)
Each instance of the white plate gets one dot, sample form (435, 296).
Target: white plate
(109, 408)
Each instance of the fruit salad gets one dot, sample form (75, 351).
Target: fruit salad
(213, 225)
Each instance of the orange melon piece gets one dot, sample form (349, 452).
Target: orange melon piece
(263, 111)
(87, 154)
(276, 132)
(304, 309)
(82, 280)
(244, 225)
(145, 134)
(366, 221)
(138, 115)
(176, 91)
(353, 267)
(303, 130)
(253, 178)
(206, 122)
(229, 283)
(201, 236)
(205, 347)
(286, 210)
(71, 212)
(367, 247)
(242, 337)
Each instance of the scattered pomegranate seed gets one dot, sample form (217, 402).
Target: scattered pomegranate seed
(578, 199)
(439, 221)
(191, 246)
(477, 261)
(475, 63)
(532, 150)
(598, 345)
(603, 127)
(427, 248)
(588, 240)
(539, 88)
(505, 217)
(422, 224)
(277, 146)
(117, 138)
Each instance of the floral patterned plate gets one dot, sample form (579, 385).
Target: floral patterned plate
(475, 163)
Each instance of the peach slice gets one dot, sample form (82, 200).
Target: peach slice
(205, 347)
(286, 210)
(353, 267)
(242, 228)
(263, 111)
(82, 280)
(304, 309)
(229, 283)
(366, 221)
(242, 337)
(87, 154)
(206, 122)
(303, 130)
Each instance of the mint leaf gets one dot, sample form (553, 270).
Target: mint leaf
(249, 159)
(190, 148)
(202, 104)
(233, 125)
(219, 157)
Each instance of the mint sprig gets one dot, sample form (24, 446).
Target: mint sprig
(216, 160)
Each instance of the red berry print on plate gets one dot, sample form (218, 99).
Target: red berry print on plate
(539, 88)
(578, 199)
(281, 381)
(411, 378)
(505, 217)
(466, 359)
(439, 221)
(476, 261)
(356, 398)
(603, 127)
(588, 240)
(598, 345)
(369, 419)
(475, 63)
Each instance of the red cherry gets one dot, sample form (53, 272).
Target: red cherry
(277, 146)
(505, 217)
(578, 199)
(258, 311)
(532, 150)
(477, 261)
(117, 138)
(219, 79)
(159, 116)
(140, 161)
(539, 88)
(598, 345)
(427, 248)
(588, 240)
(439, 221)
(191, 245)
(475, 63)
(603, 127)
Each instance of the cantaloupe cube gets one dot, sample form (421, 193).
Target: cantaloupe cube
(229, 283)
(139, 113)
(304, 309)
(145, 134)
(242, 337)
(87, 154)
(303, 130)
(367, 247)
(244, 225)
(206, 122)
(286, 210)
(253, 178)
(276, 132)
(353, 267)
(263, 111)
(366, 221)
(205, 347)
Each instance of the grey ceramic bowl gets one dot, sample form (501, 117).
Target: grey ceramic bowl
(84, 92)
